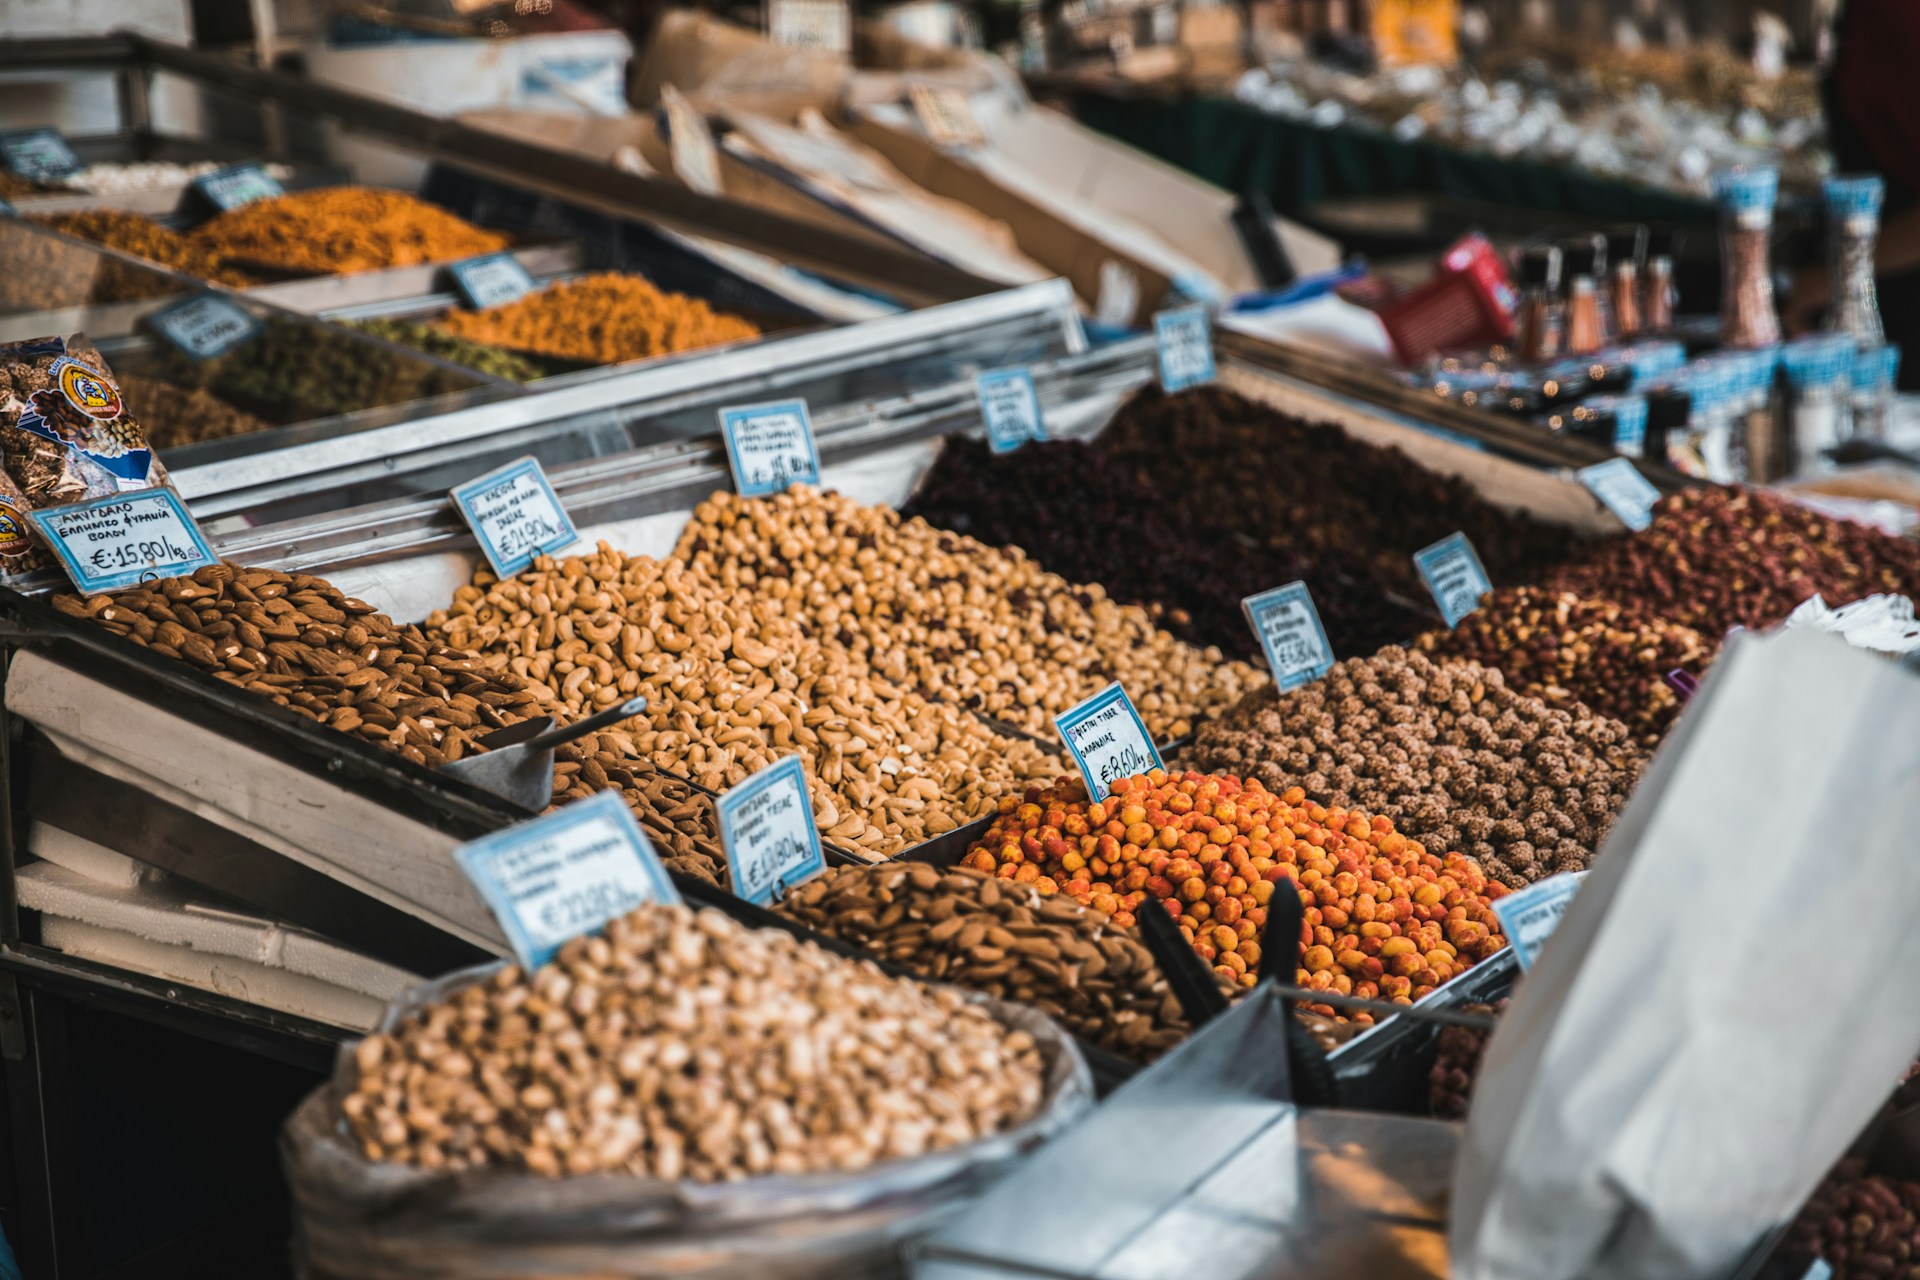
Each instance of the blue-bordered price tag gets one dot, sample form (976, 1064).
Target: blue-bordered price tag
(1183, 342)
(515, 515)
(1010, 406)
(1530, 916)
(237, 185)
(1107, 739)
(492, 280)
(767, 826)
(113, 543)
(565, 874)
(1622, 490)
(37, 154)
(1289, 629)
(770, 447)
(1454, 576)
(206, 326)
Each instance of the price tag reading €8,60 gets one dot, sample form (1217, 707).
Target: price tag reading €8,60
(492, 280)
(1108, 739)
(515, 515)
(1184, 341)
(1289, 629)
(1454, 576)
(1529, 917)
(113, 543)
(766, 823)
(770, 447)
(207, 326)
(564, 874)
(1622, 490)
(239, 185)
(1010, 406)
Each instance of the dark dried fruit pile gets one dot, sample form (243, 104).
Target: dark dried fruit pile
(1086, 517)
(1714, 559)
(1859, 1224)
(1456, 1062)
(1315, 490)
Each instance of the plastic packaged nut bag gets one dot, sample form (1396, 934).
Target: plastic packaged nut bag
(66, 436)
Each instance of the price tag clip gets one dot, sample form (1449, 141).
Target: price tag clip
(1529, 916)
(110, 544)
(1288, 627)
(1010, 406)
(491, 280)
(37, 154)
(1454, 576)
(206, 327)
(767, 826)
(515, 515)
(1621, 489)
(1107, 739)
(238, 185)
(1183, 341)
(770, 447)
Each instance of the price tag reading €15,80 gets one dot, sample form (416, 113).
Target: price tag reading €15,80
(1454, 576)
(1010, 406)
(1184, 340)
(1289, 629)
(113, 543)
(1530, 916)
(206, 326)
(770, 447)
(564, 874)
(37, 154)
(1108, 739)
(766, 823)
(515, 515)
(1622, 490)
(492, 280)
(239, 185)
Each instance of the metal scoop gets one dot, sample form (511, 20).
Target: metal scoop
(518, 761)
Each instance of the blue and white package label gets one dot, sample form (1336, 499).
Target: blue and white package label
(564, 874)
(1622, 490)
(770, 447)
(767, 826)
(1454, 576)
(1010, 406)
(492, 280)
(1289, 629)
(113, 543)
(206, 326)
(37, 154)
(1107, 739)
(241, 184)
(1183, 341)
(515, 515)
(1530, 916)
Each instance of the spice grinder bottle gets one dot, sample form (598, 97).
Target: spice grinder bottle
(1658, 297)
(1853, 230)
(1747, 196)
(1874, 372)
(1818, 372)
(1538, 337)
(1626, 250)
(1581, 259)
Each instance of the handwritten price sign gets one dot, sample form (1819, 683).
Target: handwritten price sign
(1107, 739)
(767, 825)
(515, 515)
(110, 544)
(770, 447)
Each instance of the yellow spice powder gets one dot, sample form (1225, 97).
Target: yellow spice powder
(601, 319)
(335, 230)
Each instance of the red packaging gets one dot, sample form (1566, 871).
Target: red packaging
(1469, 304)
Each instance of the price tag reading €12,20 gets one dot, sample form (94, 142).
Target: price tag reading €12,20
(113, 543)
(239, 185)
(1184, 341)
(491, 280)
(37, 154)
(770, 447)
(1530, 916)
(207, 326)
(1454, 576)
(1622, 490)
(564, 874)
(766, 823)
(515, 515)
(1108, 739)
(1010, 406)
(1289, 629)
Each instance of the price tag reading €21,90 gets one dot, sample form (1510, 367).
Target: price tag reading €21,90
(770, 447)
(1108, 739)
(1183, 340)
(491, 280)
(1622, 490)
(113, 543)
(206, 327)
(766, 823)
(1010, 406)
(1289, 629)
(1454, 576)
(1529, 917)
(565, 874)
(515, 515)
(238, 185)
